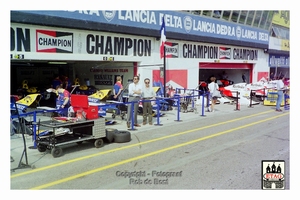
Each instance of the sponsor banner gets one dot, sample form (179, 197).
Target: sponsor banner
(93, 100)
(109, 70)
(31, 42)
(282, 18)
(262, 76)
(171, 50)
(25, 38)
(54, 41)
(285, 45)
(245, 54)
(103, 79)
(200, 51)
(225, 53)
(177, 22)
(174, 79)
(275, 43)
(216, 52)
(276, 60)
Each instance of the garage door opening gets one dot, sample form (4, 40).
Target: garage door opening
(234, 71)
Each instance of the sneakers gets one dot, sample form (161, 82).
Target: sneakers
(278, 110)
(144, 123)
(210, 110)
(128, 125)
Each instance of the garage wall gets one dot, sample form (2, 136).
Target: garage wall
(89, 64)
(102, 75)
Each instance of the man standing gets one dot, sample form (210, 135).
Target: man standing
(147, 94)
(134, 93)
(244, 78)
(211, 88)
(280, 89)
(271, 76)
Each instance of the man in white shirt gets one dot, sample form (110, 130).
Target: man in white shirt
(134, 93)
(280, 89)
(212, 86)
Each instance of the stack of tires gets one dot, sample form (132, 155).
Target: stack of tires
(114, 135)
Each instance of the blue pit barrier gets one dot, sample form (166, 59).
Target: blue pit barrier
(34, 124)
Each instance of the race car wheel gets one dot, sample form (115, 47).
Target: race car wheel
(123, 116)
(47, 95)
(113, 116)
(98, 143)
(41, 148)
(110, 134)
(56, 152)
(122, 136)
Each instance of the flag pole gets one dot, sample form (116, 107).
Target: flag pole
(165, 88)
(163, 51)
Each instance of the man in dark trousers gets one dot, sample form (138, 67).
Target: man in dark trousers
(134, 93)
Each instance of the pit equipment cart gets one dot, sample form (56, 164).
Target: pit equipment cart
(67, 132)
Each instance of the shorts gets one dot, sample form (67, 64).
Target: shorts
(212, 98)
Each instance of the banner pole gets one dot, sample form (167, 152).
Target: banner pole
(165, 88)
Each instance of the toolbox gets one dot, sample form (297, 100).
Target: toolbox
(91, 112)
(80, 103)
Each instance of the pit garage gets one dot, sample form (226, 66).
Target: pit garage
(36, 76)
(233, 71)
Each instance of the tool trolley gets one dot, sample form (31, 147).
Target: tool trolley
(61, 133)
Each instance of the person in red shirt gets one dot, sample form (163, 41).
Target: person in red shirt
(118, 87)
(62, 100)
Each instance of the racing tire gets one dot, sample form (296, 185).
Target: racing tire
(122, 136)
(98, 143)
(110, 132)
(46, 95)
(122, 116)
(56, 152)
(41, 148)
(113, 116)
